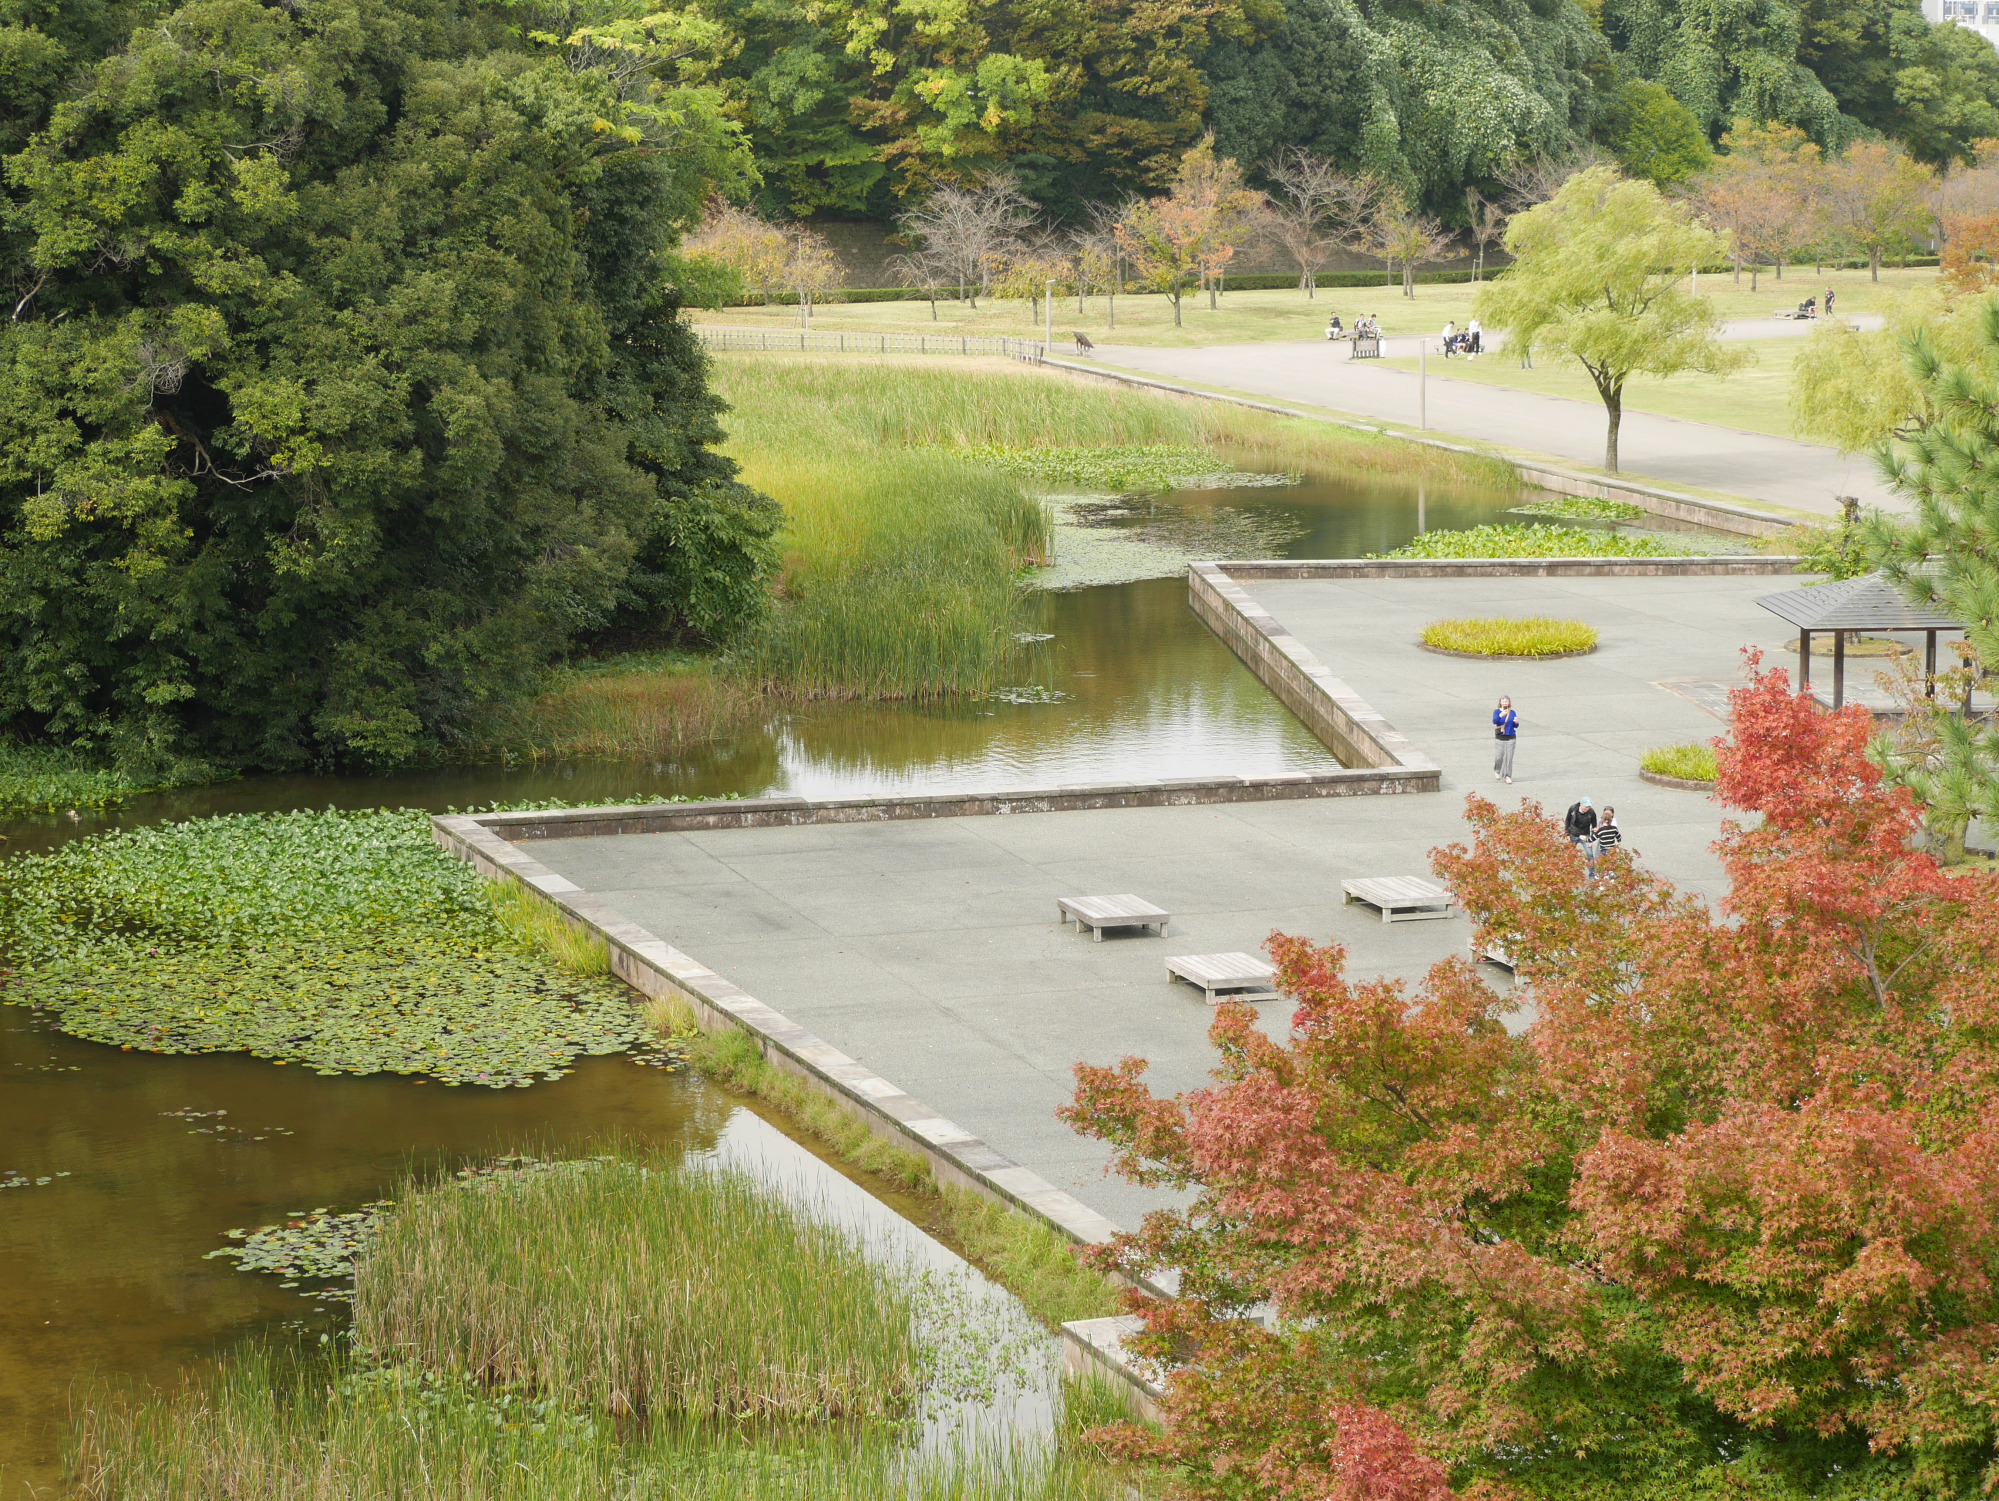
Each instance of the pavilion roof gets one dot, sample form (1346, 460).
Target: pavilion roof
(1868, 603)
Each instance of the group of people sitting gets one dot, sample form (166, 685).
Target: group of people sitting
(1809, 308)
(1367, 326)
(1468, 341)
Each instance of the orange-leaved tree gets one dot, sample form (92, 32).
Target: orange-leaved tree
(1719, 1218)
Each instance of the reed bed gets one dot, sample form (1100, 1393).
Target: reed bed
(633, 1287)
(282, 1428)
(536, 924)
(902, 576)
(633, 708)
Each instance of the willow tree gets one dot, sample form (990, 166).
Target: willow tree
(1600, 274)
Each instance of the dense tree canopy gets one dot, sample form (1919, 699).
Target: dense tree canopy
(343, 384)
(1723, 1220)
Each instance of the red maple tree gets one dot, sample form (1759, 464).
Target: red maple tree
(1729, 1193)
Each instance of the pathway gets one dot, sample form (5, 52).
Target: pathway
(1777, 471)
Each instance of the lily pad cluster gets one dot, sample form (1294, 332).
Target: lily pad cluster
(1581, 508)
(1123, 467)
(344, 941)
(314, 1244)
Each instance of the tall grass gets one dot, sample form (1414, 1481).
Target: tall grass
(537, 925)
(1692, 761)
(52, 778)
(630, 708)
(634, 1287)
(901, 576)
(903, 558)
(300, 1429)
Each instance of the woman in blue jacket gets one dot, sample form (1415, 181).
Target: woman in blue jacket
(1505, 729)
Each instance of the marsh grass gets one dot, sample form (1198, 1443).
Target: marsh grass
(1524, 636)
(296, 1428)
(536, 924)
(905, 555)
(1032, 1261)
(1691, 762)
(635, 1288)
(638, 707)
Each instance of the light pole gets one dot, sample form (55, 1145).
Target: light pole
(1048, 340)
(1422, 384)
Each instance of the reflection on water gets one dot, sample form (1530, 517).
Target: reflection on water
(1141, 689)
(103, 1268)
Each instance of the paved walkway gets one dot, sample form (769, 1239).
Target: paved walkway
(931, 951)
(1778, 471)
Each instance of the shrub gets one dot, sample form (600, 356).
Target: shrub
(1532, 636)
(1691, 762)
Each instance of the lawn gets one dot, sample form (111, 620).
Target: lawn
(1250, 317)
(1752, 399)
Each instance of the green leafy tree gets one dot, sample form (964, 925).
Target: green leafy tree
(1653, 135)
(1727, 60)
(342, 388)
(1600, 274)
(1933, 88)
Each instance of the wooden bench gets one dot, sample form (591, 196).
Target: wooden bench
(1100, 912)
(1225, 977)
(1400, 898)
(1083, 344)
(1494, 952)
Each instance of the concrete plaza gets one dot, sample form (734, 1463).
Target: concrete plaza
(931, 951)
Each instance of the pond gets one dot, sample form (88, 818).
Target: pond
(119, 1172)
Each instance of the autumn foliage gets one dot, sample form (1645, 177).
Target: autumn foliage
(1719, 1214)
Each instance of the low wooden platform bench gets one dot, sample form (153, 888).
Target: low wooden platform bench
(1226, 977)
(1100, 912)
(1400, 898)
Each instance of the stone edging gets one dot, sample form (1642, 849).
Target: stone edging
(655, 968)
(1502, 656)
(1685, 784)
(1742, 521)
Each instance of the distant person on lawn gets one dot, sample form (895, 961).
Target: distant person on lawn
(1828, 302)
(1579, 823)
(1505, 731)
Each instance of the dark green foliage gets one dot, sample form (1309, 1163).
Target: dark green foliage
(1425, 95)
(344, 391)
(1653, 134)
(1728, 60)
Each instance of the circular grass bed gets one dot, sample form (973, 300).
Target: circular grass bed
(1531, 638)
(1690, 766)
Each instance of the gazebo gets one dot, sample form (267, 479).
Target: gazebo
(1871, 604)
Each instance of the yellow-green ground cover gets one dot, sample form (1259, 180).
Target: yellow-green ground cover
(1246, 317)
(1691, 762)
(1526, 636)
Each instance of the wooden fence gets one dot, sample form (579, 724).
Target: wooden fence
(812, 341)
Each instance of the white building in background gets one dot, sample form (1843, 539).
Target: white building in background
(1981, 16)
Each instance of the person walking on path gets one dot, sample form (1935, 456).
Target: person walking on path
(1828, 302)
(1474, 339)
(1579, 823)
(1450, 336)
(1607, 838)
(1505, 730)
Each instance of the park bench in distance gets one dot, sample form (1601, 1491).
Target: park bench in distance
(1083, 344)
(1225, 977)
(1400, 898)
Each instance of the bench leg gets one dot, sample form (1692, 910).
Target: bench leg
(1098, 930)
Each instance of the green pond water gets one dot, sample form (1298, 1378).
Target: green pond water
(120, 1171)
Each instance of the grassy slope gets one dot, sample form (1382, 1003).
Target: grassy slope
(1246, 317)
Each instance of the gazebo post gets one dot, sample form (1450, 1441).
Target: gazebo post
(1838, 669)
(1804, 661)
(1929, 664)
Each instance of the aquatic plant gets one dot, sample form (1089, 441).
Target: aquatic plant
(304, 1428)
(636, 707)
(635, 1287)
(1523, 636)
(901, 575)
(346, 941)
(1531, 542)
(1123, 467)
(1690, 762)
(537, 924)
(1581, 508)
